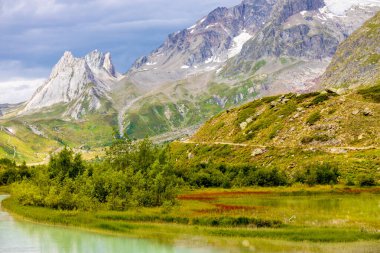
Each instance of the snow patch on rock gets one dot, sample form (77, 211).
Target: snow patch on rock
(239, 41)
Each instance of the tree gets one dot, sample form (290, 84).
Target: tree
(65, 165)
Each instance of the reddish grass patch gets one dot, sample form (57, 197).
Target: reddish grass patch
(233, 207)
(208, 196)
(360, 190)
(222, 208)
(195, 197)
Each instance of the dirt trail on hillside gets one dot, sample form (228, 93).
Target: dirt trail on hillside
(327, 149)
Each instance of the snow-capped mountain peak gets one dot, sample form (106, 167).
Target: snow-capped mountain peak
(73, 79)
(339, 7)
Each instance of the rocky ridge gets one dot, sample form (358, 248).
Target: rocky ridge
(357, 61)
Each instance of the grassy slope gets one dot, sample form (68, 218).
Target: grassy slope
(335, 221)
(24, 145)
(357, 60)
(280, 128)
(285, 121)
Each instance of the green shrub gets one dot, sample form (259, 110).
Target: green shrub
(350, 181)
(235, 222)
(322, 174)
(372, 93)
(320, 99)
(7, 163)
(302, 97)
(313, 118)
(268, 177)
(365, 180)
(10, 172)
(318, 138)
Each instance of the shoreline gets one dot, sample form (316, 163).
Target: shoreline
(217, 237)
(240, 244)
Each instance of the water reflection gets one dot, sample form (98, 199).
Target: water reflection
(24, 237)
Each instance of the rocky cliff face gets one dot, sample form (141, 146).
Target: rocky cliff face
(80, 82)
(309, 30)
(357, 61)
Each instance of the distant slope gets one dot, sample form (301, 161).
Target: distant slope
(33, 138)
(357, 61)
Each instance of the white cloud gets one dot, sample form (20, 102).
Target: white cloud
(15, 70)
(18, 90)
(18, 82)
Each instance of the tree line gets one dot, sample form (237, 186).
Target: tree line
(139, 174)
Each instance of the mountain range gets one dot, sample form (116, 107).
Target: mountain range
(233, 55)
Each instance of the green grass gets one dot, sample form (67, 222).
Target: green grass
(320, 99)
(372, 93)
(373, 59)
(317, 138)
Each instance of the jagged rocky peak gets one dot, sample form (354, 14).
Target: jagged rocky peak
(96, 60)
(108, 65)
(206, 45)
(287, 8)
(75, 78)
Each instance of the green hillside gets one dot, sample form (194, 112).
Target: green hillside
(291, 133)
(320, 119)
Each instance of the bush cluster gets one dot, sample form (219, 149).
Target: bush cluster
(10, 172)
(322, 174)
(238, 175)
(133, 174)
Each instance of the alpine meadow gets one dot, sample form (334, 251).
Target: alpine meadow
(255, 129)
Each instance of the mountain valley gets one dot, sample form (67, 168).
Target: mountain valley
(229, 57)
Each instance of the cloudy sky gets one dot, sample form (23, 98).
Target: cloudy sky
(35, 33)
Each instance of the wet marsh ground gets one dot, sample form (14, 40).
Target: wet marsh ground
(291, 219)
